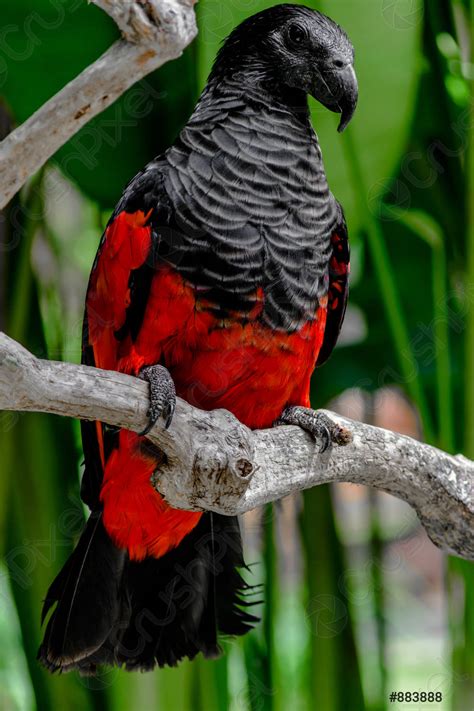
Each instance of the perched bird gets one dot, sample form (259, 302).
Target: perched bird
(222, 276)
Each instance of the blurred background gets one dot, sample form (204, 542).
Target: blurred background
(358, 602)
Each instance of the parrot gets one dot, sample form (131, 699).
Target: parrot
(222, 278)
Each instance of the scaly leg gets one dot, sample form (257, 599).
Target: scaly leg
(316, 423)
(162, 395)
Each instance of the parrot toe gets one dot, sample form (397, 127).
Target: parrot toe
(318, 424)
(162, 395)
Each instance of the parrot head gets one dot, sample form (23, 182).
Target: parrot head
(297, 48)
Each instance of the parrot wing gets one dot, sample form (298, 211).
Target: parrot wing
(116, 300)
(339, 268)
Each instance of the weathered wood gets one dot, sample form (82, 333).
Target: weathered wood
(152, 37)
(214, 462)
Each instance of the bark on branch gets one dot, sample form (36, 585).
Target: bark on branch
(154, 31)
(214, 462)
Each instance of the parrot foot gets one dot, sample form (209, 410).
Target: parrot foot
(162, 395)
(317, 424)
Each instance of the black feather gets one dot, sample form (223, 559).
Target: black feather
(167, 608)
(338, 288)
(87, 597)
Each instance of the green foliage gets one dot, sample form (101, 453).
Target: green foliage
(38, 459)
(332, 646)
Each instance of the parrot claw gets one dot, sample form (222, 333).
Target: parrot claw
(317, 424)
(162, 396)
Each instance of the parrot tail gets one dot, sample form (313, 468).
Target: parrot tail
(112, 610)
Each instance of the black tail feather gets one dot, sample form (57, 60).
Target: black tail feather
(87, 592)
(162, 609)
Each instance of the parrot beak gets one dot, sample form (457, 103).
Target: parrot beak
(350, 94)
(337, 90)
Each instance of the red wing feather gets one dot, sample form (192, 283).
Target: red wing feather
(125, 248)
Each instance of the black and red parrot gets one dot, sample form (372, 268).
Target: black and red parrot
(222, 276)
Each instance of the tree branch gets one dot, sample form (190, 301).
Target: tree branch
(155, 31)
(212, 461)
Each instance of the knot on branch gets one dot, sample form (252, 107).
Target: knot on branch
(220, 471)
(150, 21)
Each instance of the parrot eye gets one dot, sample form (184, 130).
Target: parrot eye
(296, 35)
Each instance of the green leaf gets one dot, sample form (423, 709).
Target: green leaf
(387, 62)
(328, 610)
